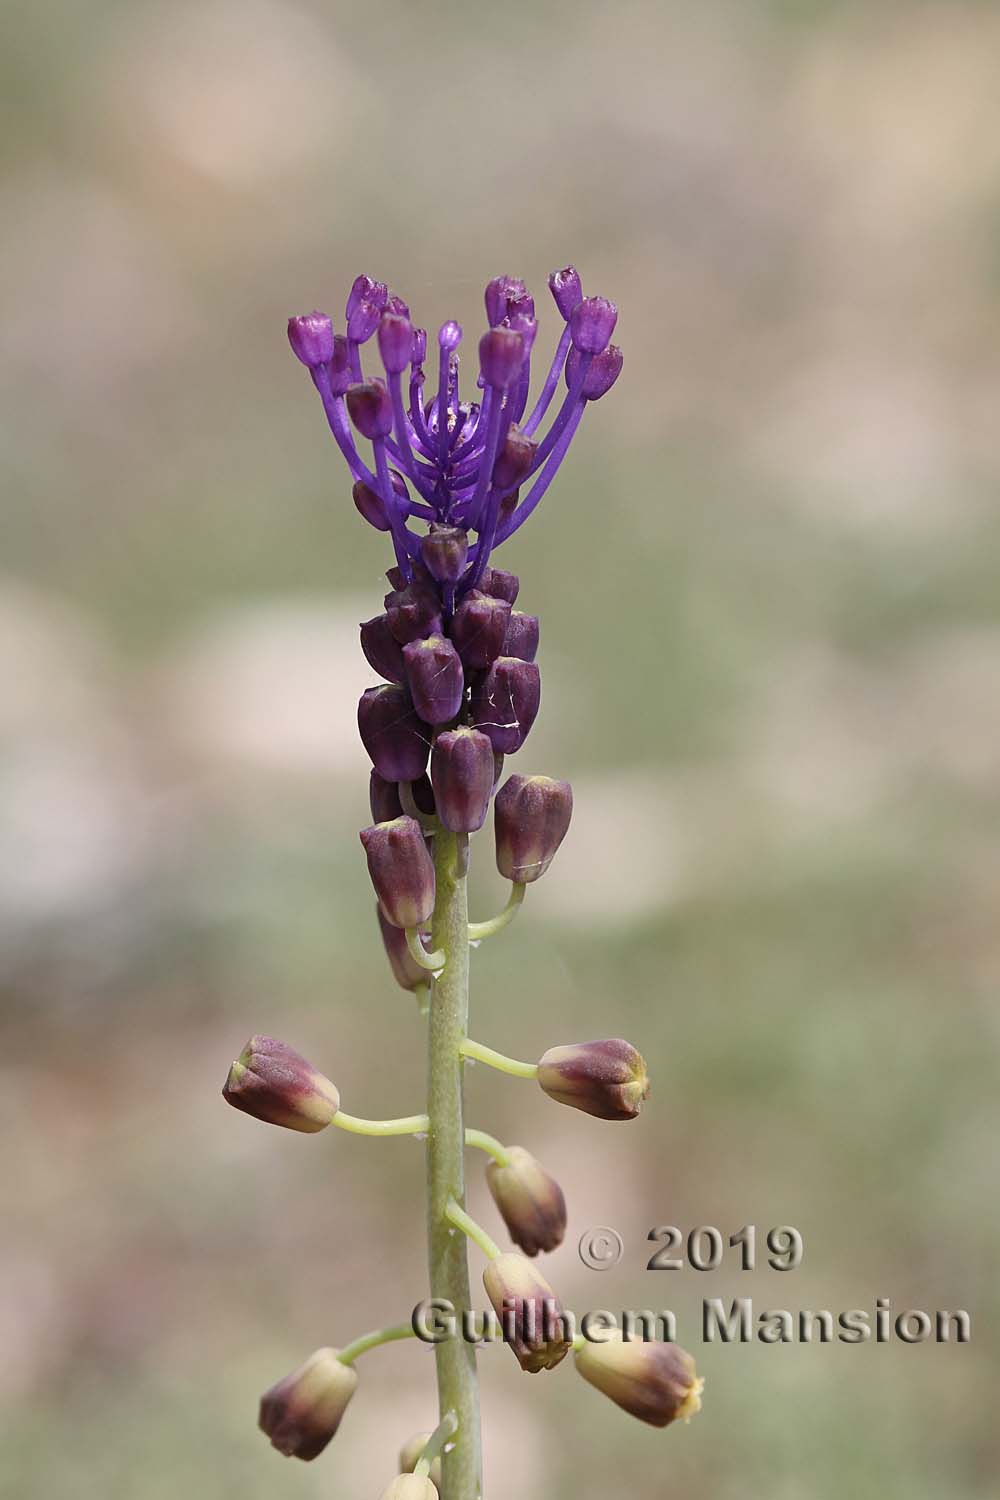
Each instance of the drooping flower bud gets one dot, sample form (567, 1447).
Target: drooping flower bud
(410, 1454)
(301, 1413)
(479, 628)
(444, 551)
(499, 293)
(341, 374)
(521, 639)
(514, 459)
(607, 1079)
(383, 798)
(414, 612)
(567, 290)
(410, 1487)
(405, 970)
(369, 505)
(366, 289)
(435, 678)
(501, 355)
(655, 1382)
(370, 407)
(531, 1203)
(311, 338)
(418, 347)
(530, 1313)
(382, 651)
(395, 340)
(500, 585)
(591, 323)
(604, 370)
(462, 777)
(532, 817)
(505, 702)
(274, 1083)
(401, 870)
(391, 732)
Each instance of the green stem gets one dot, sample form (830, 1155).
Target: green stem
(488, 1143)
(408, 1125)
(480, 930)
(409, 806)
(367, 1341)
(446, 1428)
(467, 1224)
(458, 1385)
(432, 961)
(498, 1060)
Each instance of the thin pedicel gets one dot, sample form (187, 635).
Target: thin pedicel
(450, 481)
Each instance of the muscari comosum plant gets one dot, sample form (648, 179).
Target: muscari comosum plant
(461, 689)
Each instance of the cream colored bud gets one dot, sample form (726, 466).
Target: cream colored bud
(655, 1382)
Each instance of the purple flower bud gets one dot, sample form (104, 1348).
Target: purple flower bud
(449, 336)
(501, 355)
(418, 347)
(531, 1203)
(340, 365)
(435, 678)
(479, 627)
(421, 577)
(371, 408)
(604, 370)
(276, 1084)
(505, 702)
(410, 1454)
(500, 585)
(499, 293)
(521, 639)
(394, 737)
(395, 304)
(532, 817)
(520, 302)
(311, 338)
(366, 290)
(405, 970)
(592, 323)
(444, 550)
(530, 1313)
(383, 797)
(363, 322)
(302, 1412)
(382, 651)
(401, 870)
(606, 1079)
(414, 612)
(369, 502)
(462, 777)
(395, 340)
(514, 459)
(526, 325)
(567, 289)
(655, 1382)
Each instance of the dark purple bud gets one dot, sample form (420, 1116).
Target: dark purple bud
(524, 324)
(366, 290)
(607, 1079)
(274, 1083)
(530, 1313)
(435, 678)
(500, 585)
(444, 550)
(311, 338)
(479, 627)
(395, 304)
(340, 365)
(499, 293)
(498, 761)
(418, 347)
(421, 576)
(592, 323)
(532, 817)
(363, 322)
(382, 651)
(501, 355)
(604, 370)
(371, 408)
(449, 336)
(567, 289)
(514, 459)
(383, 798)
(405, 970)
(520, 302)
(395, 739)
(521, 639)
(395, 340)
(657, 1383)
(414, 612)
(508, 504)
(505, 702)
(401, 870)
(531, 1203)
(369, 502)
(302, 1412)
(462, 777)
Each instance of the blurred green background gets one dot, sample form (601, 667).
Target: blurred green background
(771, 667)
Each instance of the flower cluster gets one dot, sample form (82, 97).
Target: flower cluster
(449, 481)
